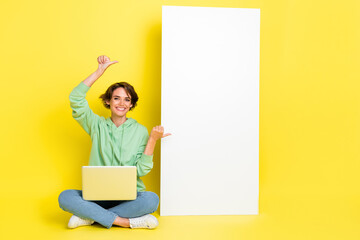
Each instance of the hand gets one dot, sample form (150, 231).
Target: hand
(158, 132)
(104, 62)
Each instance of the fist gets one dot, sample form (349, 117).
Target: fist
(104, 62)
(158, 132)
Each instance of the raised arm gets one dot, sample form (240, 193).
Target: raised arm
(81, 110)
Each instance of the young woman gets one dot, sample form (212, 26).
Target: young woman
(116, 141)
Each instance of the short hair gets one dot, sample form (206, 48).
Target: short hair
(128, 89)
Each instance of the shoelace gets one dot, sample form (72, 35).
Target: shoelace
(83, 221)
(139, 223)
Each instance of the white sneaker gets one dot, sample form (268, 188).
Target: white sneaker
(146, 221)
(75, 222)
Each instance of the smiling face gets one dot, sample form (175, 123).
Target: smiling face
(120, 102)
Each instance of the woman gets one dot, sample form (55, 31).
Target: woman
(117, 140)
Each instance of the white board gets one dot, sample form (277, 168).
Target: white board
(210, 104)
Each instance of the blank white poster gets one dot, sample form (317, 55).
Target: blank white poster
(210, 104)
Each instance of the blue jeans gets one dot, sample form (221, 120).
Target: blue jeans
(105, 212)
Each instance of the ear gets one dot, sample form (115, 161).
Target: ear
(107, 102)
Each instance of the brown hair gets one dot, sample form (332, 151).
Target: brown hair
(128, 89)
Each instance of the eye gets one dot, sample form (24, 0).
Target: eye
(128, 100)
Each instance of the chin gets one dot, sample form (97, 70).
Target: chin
(120, 115)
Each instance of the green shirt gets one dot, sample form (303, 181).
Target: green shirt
(111, 145)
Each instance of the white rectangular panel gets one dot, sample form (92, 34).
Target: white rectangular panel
(210, 104)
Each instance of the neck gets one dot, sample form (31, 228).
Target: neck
(118, 120)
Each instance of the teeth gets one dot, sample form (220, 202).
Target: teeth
(121, 109)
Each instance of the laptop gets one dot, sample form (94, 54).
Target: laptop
(109, 183)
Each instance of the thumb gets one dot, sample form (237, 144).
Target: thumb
(112, 62)
(167, 134)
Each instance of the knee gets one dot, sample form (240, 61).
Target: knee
(153, 201)
(65, 197)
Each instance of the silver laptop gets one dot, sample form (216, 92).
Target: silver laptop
(109, 182)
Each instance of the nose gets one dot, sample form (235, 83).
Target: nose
(121, 101)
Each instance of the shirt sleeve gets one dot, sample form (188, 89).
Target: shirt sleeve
(144, 163)
(81, 111)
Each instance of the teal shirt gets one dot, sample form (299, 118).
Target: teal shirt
(111, 145)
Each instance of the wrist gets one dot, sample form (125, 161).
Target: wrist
(152, 139)
(99, 72)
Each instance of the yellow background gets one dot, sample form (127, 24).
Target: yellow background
(309, 114)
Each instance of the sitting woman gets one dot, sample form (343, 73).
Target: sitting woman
(116, 141)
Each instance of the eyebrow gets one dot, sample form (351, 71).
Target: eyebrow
(120, 96)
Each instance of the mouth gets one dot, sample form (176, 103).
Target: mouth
(120, 109)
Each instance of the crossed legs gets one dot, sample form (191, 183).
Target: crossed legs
(108, 213)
